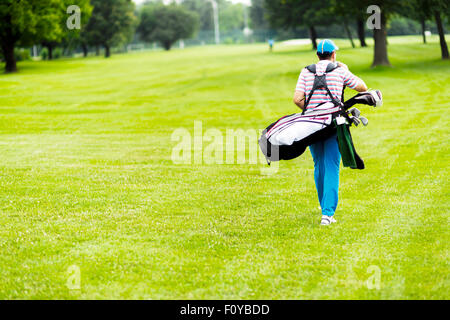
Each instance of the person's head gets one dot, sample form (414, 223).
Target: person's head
(326, 50)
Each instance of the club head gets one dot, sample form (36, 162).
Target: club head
(355, 121)
(355, 112)
(364, 121)
(378, 97)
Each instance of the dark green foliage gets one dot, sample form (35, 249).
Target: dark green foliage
(294, 13)
(166, 24)
(57, 53)
(28, 22)
(24, 23)
(204, 11)
(258, 15)
(423, 10)
(22, 54)
(74, 38)
(231, 16)
(44, 54)
(112, 23)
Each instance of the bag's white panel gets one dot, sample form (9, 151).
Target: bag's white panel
(297, 127)
(324, 107)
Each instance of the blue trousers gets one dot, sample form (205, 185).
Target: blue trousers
(327, 159)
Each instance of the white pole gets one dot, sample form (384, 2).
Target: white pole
(245, 18)
(216, 20)
(247, 31)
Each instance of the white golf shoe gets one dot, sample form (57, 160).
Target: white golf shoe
(327, 220)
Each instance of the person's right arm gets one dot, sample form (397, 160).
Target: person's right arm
(299, 99)
(352, 81)
(299, 95)
(361, 86)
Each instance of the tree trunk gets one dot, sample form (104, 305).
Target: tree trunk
(167, 46)
(8, 42)
(440, 27)
(10, 59)
(107, 51)
(313, 37)
(349, 34)
(85, 50)
(422, 22)
(380, 57)
(50, 50)
(361, 32)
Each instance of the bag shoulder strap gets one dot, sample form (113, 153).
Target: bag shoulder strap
(331, 67)
(312, 68)
(320, 82)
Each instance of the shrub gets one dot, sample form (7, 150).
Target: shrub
(228, 40)
(57, 53)
(22, 54)
(44, 53)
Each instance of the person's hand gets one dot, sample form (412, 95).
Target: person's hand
(342, 65)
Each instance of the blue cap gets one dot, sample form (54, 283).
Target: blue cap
(326, 46)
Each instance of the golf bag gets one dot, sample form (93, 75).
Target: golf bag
(288, 137)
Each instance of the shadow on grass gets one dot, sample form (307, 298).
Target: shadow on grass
(36, 67)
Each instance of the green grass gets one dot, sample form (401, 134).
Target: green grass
(87, 180)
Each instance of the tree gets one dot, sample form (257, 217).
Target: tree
(166, 24)
(112, 23)
(258, 15)
(361, 31)
(204, 11)
(380, 56)
(417, 10)
(294, 13)
(231, 16)
(349, 33)
(23, 23)
(349, 10)
(51, 38)
(437, 9)
(379, 12)
(73, 38)
(53, 34)
(422, 10)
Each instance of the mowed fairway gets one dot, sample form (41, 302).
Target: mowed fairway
(87, 180)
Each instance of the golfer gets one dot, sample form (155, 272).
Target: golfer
(326, 155)
(271, 43)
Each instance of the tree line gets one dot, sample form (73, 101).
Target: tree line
(104, 24)
(110, 23)
(313, 13)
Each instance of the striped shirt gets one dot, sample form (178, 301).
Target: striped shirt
(335, 81)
